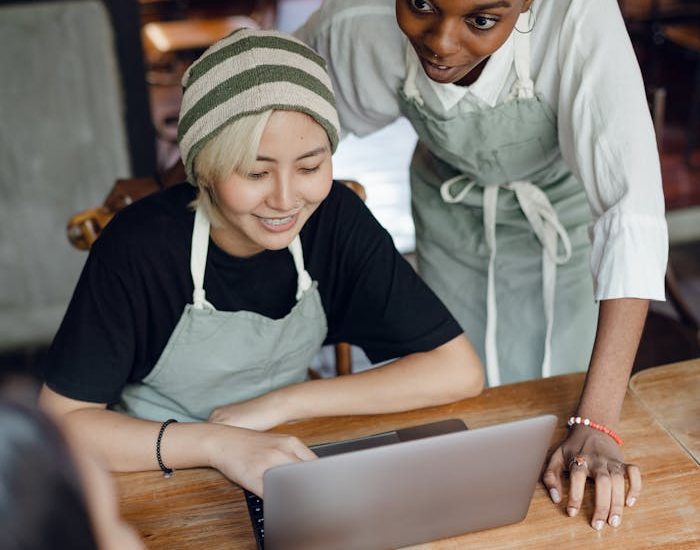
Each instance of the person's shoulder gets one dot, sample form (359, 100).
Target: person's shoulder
(571, 17)
(339, 211)
(152, 222)
(546, 18)
(338, 11)
(344, 219)
(366, 22)
(344, 197)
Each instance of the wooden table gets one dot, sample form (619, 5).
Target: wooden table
(671, 394)
(200, 509)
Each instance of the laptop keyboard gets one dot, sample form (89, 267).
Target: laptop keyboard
(255, 509)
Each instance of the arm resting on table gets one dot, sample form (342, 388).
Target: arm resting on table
(445, 374)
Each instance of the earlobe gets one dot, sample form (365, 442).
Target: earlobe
(526, 6)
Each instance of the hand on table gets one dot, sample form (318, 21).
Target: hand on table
(590, 453)
(244, 455)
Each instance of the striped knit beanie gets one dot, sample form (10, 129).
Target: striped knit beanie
(249, 72)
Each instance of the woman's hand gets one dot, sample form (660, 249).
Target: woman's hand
(590, 453)
(243, 455)
(260, 413)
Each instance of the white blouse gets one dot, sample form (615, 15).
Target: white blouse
(583, 65)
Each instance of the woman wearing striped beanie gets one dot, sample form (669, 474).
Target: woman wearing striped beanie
(206, 303)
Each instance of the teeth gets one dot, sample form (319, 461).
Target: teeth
(441, 67)
(277, 221)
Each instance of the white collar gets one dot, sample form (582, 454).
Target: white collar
(487, 87)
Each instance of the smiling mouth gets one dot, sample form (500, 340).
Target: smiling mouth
(440, 67)
(442, 74)
(277, 221)
(279, 224)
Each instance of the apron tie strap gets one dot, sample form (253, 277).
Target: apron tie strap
(303, 278)
(446, 189)
(492, 368)
(546, 225)
(549, 230)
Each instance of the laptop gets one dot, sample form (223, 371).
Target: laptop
(401, 488)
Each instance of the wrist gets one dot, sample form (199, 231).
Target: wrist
(284, 405)
(213, 442)
(583, 423)
(599, 415)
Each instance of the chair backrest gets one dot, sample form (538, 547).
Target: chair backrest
(62, 145)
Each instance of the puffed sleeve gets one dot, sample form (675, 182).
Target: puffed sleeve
(364, 49)
(607, 138)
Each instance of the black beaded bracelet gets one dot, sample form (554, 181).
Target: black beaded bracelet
(167, 472)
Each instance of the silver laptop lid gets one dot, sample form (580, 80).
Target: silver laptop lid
(407, 493)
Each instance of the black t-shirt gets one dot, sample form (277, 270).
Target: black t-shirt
(136, 283)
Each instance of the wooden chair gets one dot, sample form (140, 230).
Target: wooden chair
(85, 227)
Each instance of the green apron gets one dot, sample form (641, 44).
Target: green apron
(214, 358)
(501, 228)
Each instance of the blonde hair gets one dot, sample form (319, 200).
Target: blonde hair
(232, 151)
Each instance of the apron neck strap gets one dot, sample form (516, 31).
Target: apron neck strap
(198, 257)
(523, 87)
(198, 261)
(303, 277)
(410, 89)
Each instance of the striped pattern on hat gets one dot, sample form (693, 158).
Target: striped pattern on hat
(249, 72)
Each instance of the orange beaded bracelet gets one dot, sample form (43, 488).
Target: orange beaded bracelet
(588, 422)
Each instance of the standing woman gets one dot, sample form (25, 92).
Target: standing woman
(536, 166)
(200, 308)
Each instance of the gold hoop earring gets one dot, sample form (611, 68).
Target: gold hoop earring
(531, 19)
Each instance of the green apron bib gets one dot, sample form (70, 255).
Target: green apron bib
(501, 228)
(214, 358)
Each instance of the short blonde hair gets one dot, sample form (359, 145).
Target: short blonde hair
(232, 151)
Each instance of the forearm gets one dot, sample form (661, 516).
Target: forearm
(445, 374)
(620, 325)
(129, 444)
(125, 443)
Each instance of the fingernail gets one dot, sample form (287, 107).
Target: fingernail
(615, 520)
(555, 495)
(598, 524)
(631, 501)
(571, 511)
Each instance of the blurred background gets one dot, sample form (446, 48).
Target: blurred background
(90, 91)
